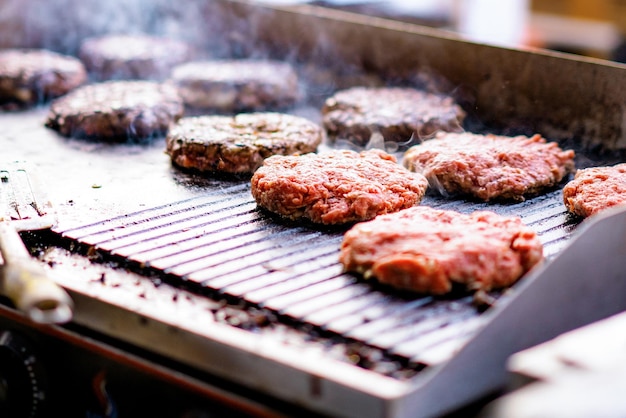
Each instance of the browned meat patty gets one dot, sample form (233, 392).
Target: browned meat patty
(116, 111)
(595, 189)
(490, 166)
(239, 144)
(426, 250)
(398, 114)
(237, 85)
(336, 187)
(133, 57)
(32, 76)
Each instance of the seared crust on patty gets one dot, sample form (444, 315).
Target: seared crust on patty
(490, 166)
(33, 76)
(398, 113)
(132, 57)
(595, 189)
(239, 144)
(336, 187)
(426, 250)
(116, 111)
(237, 85)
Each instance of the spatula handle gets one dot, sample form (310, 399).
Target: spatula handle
(25, 282)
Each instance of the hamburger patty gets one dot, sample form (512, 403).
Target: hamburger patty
(490, 166)
(426, 250)
(595, 189)
(237, 85)
(116, 110)
(132, 57)
(239, 144)
(399, 114)
(336, 187)
(33, 76)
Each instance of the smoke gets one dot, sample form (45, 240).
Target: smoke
(61, 25)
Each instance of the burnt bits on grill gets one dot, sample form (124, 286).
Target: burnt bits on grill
(116, 111)
(33, 76)
(239, 144)
(490, 166)
(595, 189)
(398, 114)
(230, 86)
(336, 187)
(426, 250)
(133, 57)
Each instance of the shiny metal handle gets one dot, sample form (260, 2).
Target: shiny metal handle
(25, 282)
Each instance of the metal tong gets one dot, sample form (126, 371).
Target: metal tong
(22, 279)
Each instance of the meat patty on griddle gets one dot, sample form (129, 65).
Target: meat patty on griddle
(239, 144)
(116, 111)
(399, 114)
(490, 166)
(33, 76)
(595, 189)
(426, 250)
(228, 86)
(336, 187)
(133, 57)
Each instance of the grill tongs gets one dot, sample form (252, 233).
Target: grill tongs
(22, 279)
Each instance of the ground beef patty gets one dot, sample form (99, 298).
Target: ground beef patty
(32, 76)
(132, 57)
(595, 189)
(336, 187)
(237, 85)
(116, 110)
(490, 166)
(239, 144)
(426, 250)
(398, 114)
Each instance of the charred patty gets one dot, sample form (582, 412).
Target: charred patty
(32, 76)
(237, 85)
(239, 144)
(595, 189)
(490, 166)
(399, 114)
(132, 57)
(336, 187)
(116, 111)
(426, 250)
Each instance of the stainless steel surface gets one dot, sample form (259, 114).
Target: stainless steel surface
(580, 373)
(576, 101)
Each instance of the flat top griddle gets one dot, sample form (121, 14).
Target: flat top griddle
(204, 233)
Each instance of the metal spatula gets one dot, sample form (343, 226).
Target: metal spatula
(22, 279)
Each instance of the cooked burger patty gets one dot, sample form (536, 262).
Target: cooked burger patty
(116, 110)
(490, 166)
(132, 57)
(237, 85)
(239, 144)
(426, 250)
(595, 189)
(398, 114)
(336, 187)
(33, 76)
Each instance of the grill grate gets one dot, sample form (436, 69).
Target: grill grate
(221, 242)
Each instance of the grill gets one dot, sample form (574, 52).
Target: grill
(189, 280)
(220, 243)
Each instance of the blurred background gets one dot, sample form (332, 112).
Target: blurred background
(591, 28)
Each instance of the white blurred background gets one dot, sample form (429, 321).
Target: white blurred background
(593, 28)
